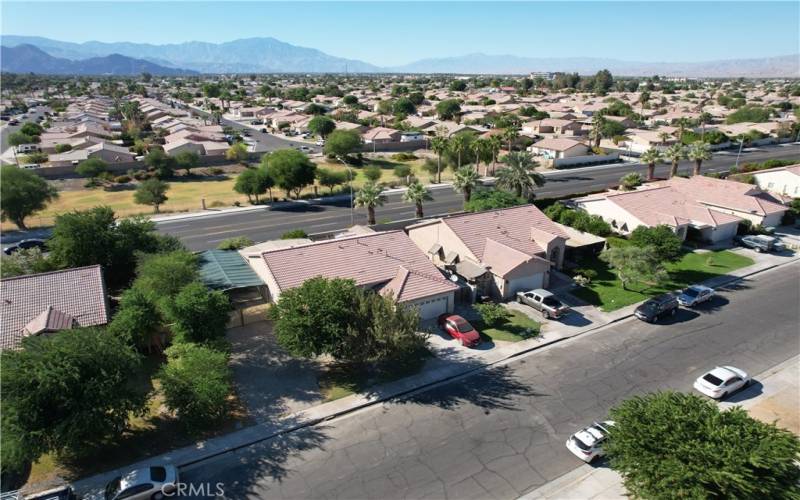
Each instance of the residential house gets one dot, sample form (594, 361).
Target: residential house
(381, 135)
(782, 181)
(496, 253)
(552, 126)
(556, 148)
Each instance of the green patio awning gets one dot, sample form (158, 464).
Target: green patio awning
(226, 270)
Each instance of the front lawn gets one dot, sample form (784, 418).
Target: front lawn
(516, 327)
(606, 292)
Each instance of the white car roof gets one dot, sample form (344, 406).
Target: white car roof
(700, 287)
(592, 434)
(724, 373)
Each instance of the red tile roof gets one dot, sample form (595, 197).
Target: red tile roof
(79, 293)
(387, 260)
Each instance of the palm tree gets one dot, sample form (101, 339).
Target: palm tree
(510, 134)
(370, 196)
(494, 145)
(478, 148)
(651, 157)
(664, 136)
(596, 134)
(416, 193)
(458, 143)
(464, 181)
(704, 119)
(519, 175)
(675, 154)
(698, 151)
(439, 145)
(683, 123)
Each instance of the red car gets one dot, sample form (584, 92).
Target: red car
(460, 329)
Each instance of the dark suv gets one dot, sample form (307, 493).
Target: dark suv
(657, 307)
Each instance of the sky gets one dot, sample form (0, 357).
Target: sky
(393, 33)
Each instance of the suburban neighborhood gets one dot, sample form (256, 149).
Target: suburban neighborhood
(312, 277)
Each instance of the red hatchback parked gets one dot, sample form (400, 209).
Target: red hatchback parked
(460, 329)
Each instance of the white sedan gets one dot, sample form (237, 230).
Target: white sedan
(587, 444)
(721, 381)
(149, 483)
(694, 295)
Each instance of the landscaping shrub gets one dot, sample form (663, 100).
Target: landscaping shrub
(235, 243)
(196, 384)
(197, 314)
(578, 219)
(404, 156)
(294, 233)
(662, 239)
(492, 314)
(122, 179)
(372, 172)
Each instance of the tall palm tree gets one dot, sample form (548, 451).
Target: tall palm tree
(458, 144)
(683, 123)
(651, 157)
(478, 148)
(664, 136)
(519, 175)
(439, 145)
(370, 196)
(596, 134)
(494, 145)
(510, 134)
(704, 119)
(465, 181)
(698, 151)
(416, 193)
(675, 154)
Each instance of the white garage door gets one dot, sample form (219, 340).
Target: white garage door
(432, 308)
(524, 284)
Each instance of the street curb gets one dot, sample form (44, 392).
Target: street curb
(369, 402)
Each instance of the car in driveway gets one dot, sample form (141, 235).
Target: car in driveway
(25, 244)
(721, 381)
(543, 301)
(694, 295)
(656, 308)
(760, 243)
(587, 443)
(151, 483)
(460, 329)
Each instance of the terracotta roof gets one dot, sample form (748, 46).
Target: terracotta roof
(381, 260)
(79, 293)
(559, 144)
(510, 227)
(666, 205)
(727, 194)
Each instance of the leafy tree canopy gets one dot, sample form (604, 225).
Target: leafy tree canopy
(23, 193)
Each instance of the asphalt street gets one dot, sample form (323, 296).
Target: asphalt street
(501, 432)
(7, 129)
(203, 233)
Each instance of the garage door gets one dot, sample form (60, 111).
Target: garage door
(432, 308)
(524, 284)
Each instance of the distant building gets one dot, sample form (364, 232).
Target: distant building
(545, 75)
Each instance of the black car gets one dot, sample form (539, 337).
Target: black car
(657, 307)
(24, 245)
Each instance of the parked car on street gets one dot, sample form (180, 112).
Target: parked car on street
(656, 308)
(721, 381)
(760, 243)
(587, 444)
(543, 301)
(60, 493)
(25, 244)
(460, 329)
(320, 142)
(694, 295)
(155, 482)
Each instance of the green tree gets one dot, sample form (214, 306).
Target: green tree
(465, 181)
(459, 144)
(651, 157)
(370, 196)
(373, 173)
(630, 181)
(698, 152)
(137, 320)
(18, 138)
(458, 85)
(35, 157)
(439, 145)
(291, 170)
(197, 314)
(749, 113)
(187, 160)
(83, 380)
(675, 154)
(491, 199)
(196, 383)
(151, 192)
(510, 134)
(448, 109)
(162, 276)
(342, 143)
(331, 178)
(321, 126)
(519, 174)
(676, 445)
(23, 193)
(63, 148)
(26, 261)
(160, 162)
(238, 153)
(254, 182)
(235, 243)
(633, 264)
(402, 172)
(31, 128)
(92, 167)
(404, 106)
(662, 238)
(417, 194)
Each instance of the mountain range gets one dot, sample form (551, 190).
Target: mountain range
(268, 55)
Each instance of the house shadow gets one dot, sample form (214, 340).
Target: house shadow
(752, 391)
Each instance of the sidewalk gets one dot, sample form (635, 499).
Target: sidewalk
(449, 364)
(774, 396)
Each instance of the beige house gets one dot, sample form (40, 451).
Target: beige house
(496, 253)
(559, 148)
(783, 181)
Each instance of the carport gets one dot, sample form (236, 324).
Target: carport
(226, 270)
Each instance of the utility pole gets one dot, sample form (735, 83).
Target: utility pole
(741, 145)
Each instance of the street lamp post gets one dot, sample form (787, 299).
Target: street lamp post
(741, 145)
(350, 184)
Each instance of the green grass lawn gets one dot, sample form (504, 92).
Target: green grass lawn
(606, 292)
(340, 380)
(517, 327)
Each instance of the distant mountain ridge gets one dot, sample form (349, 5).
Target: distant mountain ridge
(268, 55)
(31, 59)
